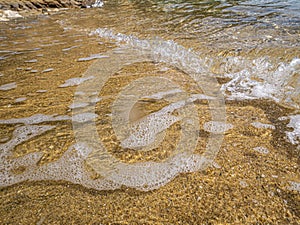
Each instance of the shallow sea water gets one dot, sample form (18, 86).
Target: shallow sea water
(106, 117)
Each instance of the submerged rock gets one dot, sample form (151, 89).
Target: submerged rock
(42, 4)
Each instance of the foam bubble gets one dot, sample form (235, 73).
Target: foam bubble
(31, 61)
(41, 91)
(151, 175)
(260, 78)
(35, 119)
(96, 4)
(263, 125)
(195, 97)
(83, 149)
(76, 81)
(243, 183)
(243, 87)
(84, 117)
(87, 99)
(144, 132)
(9, 86)
(21, 99)
(216, 165)
(95, 100)
(91, 57)
(68, 49)
(47, 70)
(293, 136)
(164, 69)
(261, 150)
(70, 167)
(217, 127)
(294, 186)
(79, 93)
(78, 105)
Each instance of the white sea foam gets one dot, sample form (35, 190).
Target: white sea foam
(84, 117)
(144, 132)
(151, 175)
(95, 100)
(243, 184)
(9, 86)
(78, 105)
(294, 186)
(217, 127)
(195, 97)
(76, 81)
(261, 150)
(79, 93)
(93, 56)
(35, 119)
(70, 167)
(263, 125)
(31, 61)
(41, 91)
(162, 51)
(250, 79)
(47, 70)
(68, 49)
(260, 78)
(293, 136)
(97, 4)
(21, 99)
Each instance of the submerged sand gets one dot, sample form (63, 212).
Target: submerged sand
(249, 183)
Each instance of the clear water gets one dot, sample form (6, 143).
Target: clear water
(152, 105)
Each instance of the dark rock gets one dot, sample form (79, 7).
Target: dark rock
(29, 5)
(38, 4)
